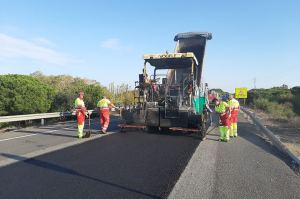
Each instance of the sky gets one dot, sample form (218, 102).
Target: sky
(253, 41)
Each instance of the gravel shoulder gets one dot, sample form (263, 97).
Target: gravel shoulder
(287, 130)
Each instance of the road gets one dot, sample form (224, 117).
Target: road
(245, 167)
(141, 165)
(32, 141)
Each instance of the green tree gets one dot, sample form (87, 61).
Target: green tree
(21, 94)
(67, 88)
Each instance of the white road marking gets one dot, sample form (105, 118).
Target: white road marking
(49, 131)
(17, 137)
(69, 129)
(23, 136)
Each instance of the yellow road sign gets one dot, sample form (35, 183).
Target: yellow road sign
(241, 93)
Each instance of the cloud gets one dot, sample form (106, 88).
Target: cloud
(43, 41)
(114, 44)
(11, 47)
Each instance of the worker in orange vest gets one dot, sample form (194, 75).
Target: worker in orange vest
(104, 105)
(223, 110)
(234, 108)
(80, 113)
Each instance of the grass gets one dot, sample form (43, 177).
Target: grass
(295, 148)
(275, 109)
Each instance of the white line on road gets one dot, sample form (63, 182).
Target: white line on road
(69, 129)
(18, 137)
(50, 131)
(23, 136)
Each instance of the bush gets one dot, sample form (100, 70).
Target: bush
(275, 109)
(296, 104)
(21, 94)
(280, 102)
(93, 93)
(281, 110)
(296, 90)
(262, 104)
(67, 88)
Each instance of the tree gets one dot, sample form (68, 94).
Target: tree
(67, 88)
(21, 94)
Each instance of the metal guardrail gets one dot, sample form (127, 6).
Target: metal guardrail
(277, 143)
(41, 116)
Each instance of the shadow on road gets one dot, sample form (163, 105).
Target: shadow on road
(64, 170)
(217, 140)
(49, 133)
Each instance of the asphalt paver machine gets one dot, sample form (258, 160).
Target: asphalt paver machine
(174, 97)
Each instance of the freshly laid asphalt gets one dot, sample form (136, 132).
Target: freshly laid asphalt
(121, 165)
(142, 165)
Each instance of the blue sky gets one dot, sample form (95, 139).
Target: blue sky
(105, 40)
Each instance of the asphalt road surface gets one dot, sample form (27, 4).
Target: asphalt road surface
(245, 167)
(38, 140)
(141, 165)
(120, 165)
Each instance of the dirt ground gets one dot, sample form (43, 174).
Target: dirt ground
(287, 130)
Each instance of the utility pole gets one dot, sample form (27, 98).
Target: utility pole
(254, 82)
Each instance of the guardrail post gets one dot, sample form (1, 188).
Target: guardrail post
(43, 122)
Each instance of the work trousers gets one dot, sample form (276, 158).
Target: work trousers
(224, 133)
(233, 124)
(80, 123)
(224, 126)
(104, 118)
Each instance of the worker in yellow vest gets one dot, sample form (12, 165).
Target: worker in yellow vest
(80, 113)
(104, 105)
(223, 110)
(234, 108)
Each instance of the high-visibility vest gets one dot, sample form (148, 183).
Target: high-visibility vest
(221, 108)
(104, 103)
(79, 102)
(234, 104)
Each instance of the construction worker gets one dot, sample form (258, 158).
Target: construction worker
(223, 109)
(234, 108)
(80, 113)
(103, 106)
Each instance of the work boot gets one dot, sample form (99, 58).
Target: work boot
(87, 135)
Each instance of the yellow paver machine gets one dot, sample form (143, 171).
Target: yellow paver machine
(173, 97)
